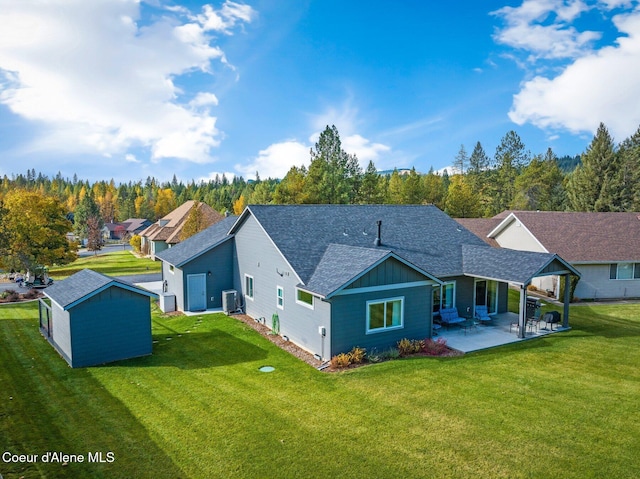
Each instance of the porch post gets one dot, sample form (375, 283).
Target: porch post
(522, 312)
(567, 300)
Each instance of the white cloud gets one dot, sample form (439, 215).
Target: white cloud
(276, 160)
(601, 86)
(100, 82)
(131, 158)
(543, 28)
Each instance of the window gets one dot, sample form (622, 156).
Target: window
(248, 286)
(384, 315)
(444, 297)
(304, 298)
(624, 271)
(171, 269)
(280, 297)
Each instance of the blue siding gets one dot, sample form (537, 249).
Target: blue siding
(390, 271)
(349, 319)
(218, 261)
(112, 325)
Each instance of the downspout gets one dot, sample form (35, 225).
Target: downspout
(567, 300)
(522, 319)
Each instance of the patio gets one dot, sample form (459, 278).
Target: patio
(501, 330)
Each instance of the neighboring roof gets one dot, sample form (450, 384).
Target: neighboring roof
(173, 222)
(112, 226)
(481, 227)
(581, 237)
(134, 224)
(420, 235)
(83, 285)
(199, 243)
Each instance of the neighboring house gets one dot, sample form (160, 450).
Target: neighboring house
(94, 319)
(340, 276)
(166, 231)
(113, 231)
(134, 226)
(603, 247)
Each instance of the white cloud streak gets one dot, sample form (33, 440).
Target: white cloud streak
(100, 82)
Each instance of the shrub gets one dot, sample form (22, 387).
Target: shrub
(435, 348)
(10, 295)
(357, 355)
(409, 346)
(341, 360)
(31, 294)
(391, 353)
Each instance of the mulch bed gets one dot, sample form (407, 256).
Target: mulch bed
(28, 295)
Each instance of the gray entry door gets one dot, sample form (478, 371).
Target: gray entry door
(197, 292)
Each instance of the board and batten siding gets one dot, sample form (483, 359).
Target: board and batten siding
(114, 324)
(257, 256)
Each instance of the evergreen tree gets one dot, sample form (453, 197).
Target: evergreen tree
(461, 202)
(371, 191)
(509, 159)
(540, 185)
(412, 191)
(585, 185)
(87, 208)
(461, 160)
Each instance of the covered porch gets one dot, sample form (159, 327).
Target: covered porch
(502, 329)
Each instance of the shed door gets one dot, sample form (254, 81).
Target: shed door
(197, 292)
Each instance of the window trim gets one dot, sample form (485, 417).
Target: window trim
(304, 303)
(384, 301)
(614, 271)
(246, 287)
(279, 297)
(442, 287)
(171, 269)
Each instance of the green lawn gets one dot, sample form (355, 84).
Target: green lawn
(118, 263)
(563, 406)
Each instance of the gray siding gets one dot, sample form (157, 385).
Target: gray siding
(258, 257)
(112, 325)
(218, 261)
(175, 284)
(503, 297)
(61, 331)
(349, 317)
(595, 283)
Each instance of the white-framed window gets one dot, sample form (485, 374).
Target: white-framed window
(304, 298)
(280, 297)
(171, 269)
(248, 287)
(624, 271)
(385, 314)
(444, 296)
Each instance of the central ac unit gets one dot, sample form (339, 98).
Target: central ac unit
(229, 301)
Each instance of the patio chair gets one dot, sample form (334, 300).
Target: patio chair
(449, 316)
(482, 314)
(534, 322)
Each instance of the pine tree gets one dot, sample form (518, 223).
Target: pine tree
(370, 190)
(461, 160)
(585, 185)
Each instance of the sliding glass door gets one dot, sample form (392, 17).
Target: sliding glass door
(487, 295)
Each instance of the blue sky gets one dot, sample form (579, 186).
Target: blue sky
(131, 88)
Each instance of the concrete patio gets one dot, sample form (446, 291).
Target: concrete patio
(501, 330)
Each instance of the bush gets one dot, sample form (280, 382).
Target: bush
(391, 353)
(136, 242)
(31, 294)
(435, 348)
(10, 295)
(357, 355)
(341, 360)
(409, 346)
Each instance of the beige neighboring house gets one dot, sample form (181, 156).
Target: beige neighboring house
(165, 232)
(603, 247)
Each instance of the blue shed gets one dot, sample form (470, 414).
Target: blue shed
(94, 319)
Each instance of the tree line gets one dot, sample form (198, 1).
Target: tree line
(605, 177)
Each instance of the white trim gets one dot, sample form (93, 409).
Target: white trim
(279, 297)
(486, 292)
(384, 287)
(302, 303)
(384, 328)
(253, 287)
(171, 268)
(505, 223)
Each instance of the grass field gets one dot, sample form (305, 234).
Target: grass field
(118, 263)
(563, 406)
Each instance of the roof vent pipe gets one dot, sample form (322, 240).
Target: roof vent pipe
(378, 240)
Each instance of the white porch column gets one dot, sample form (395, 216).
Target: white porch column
(522, 313)
(567, 300)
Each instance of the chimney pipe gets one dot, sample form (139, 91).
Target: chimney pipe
(378, 240)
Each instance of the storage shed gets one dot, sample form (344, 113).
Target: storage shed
(94, 319)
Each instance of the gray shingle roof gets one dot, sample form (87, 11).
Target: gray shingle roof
(421, 234)
(198, 244)
(317, 241)
(83, 285)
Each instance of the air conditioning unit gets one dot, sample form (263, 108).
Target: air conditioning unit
(229, 301)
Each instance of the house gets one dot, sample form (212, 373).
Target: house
(134, 226)
(197, 270)
(113, 231)
(167, 230)
(339, 276)
(94, 319)
(603, 247)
